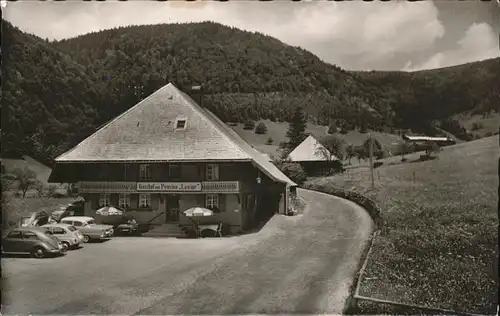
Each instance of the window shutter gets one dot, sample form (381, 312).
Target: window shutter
(216, 172)
(222, 202)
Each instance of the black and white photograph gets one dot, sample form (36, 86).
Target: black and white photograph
(250, 157)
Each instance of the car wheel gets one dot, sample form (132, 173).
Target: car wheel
(65, 244)
(86, 238)
(38, 253)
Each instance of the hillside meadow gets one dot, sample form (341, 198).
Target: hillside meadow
(277, 131)
(438, 246)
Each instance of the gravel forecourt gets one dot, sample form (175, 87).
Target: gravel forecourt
(298, 264)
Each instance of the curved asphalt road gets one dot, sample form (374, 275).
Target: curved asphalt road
(302, 264)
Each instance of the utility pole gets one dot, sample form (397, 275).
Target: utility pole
(370, 143)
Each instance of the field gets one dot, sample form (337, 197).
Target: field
(438, 246)
(277, 131)
(487, 124)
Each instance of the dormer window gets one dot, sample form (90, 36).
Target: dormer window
(180, 123)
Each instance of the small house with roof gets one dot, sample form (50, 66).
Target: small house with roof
(168, 154)
(314, 158)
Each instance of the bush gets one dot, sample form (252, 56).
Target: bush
(269, 141)
(488, 134)
(51, 189)
(261, 128)
(294, 171)
(249, 125)
(477, 126)
(332, 129)
(377, 164)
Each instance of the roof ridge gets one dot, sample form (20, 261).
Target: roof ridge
(93, 135)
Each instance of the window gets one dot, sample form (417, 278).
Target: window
(212, 201)
(14, 234)
(180, 123)
(58, 231)
(104, 200)
(75, 223)
(174, 172)
(212, 172)
(145, 172)
(29, 235)
(124, 200)
(71, 228)
(144, 200)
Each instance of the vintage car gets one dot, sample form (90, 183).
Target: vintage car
(89, 228)
(31, 240)
(34, 220)
(69, 236)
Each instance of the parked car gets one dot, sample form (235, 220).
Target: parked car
(69, 236)
(32, 240)
(35, 219)
(89, 228)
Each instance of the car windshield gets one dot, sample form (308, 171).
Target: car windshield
(71, 228)
(91, 222)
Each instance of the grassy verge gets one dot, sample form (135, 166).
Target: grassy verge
(13, 208)
(438, 245)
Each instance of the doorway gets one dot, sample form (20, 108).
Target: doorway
(172, 213)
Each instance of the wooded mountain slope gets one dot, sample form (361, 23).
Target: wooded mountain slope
(57, 93)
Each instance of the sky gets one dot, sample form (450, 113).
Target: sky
(355, 35)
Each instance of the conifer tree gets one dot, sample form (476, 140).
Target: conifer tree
(296, 132)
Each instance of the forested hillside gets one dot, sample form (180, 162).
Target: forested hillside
(57, 93)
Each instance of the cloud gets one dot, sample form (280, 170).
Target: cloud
(354, 35)
(479, 42)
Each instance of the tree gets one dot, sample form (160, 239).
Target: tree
(377, 148)
(405, 148)
(269, 141)
(249, 124)
(294, 171)
(26, 178)
(296, 132)
(332, 129)
(335, 145)
(261, 128)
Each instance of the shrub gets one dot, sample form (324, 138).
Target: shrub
(269, 141)
(51, 189)
(377, 164)
(261, 128)
(332, 129)
(477, 126)
(39, 188)
(488, 134)
(249, 125)
(294, 171)
(58, 195)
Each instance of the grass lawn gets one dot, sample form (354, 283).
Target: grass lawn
(438, 246)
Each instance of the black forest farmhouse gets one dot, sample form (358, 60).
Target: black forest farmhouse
(167, 154)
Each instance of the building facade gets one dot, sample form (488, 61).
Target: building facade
(166, 155)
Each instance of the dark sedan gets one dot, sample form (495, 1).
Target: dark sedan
(33, 241)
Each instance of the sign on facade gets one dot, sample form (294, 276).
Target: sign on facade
(169, 186)
(106, 187)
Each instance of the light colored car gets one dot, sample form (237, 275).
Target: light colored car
(32, 240)
(89, 228)
(69, 236)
